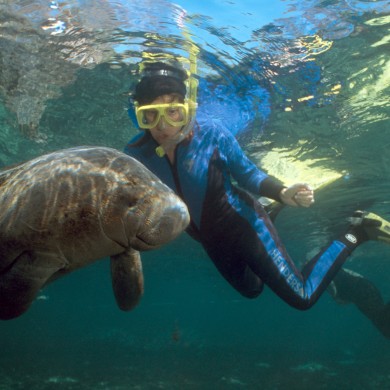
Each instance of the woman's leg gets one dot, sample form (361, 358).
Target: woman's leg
(248, 252)
(301, 289)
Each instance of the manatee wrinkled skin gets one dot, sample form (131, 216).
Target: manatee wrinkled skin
(65, 210)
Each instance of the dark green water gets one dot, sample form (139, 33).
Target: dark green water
(191, 330)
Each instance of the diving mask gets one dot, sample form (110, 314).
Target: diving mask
(175, 114)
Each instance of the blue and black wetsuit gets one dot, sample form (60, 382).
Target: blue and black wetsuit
(232, 226)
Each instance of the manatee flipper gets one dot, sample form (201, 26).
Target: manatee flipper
(127, 278)
(20, 283)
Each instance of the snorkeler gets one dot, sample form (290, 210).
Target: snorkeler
(199, 163)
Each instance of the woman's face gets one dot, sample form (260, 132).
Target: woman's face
(163, 131)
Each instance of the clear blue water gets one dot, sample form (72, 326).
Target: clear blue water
(306, 86)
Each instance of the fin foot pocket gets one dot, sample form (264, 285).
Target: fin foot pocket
(375, 226)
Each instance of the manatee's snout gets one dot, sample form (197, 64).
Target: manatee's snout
(164, 219)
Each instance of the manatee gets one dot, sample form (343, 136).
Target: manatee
(64, 210)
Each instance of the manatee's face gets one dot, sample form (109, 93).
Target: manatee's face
(162, 217)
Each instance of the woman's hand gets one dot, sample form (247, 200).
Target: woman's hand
(299, 194)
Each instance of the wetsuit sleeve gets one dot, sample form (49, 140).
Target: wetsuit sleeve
(271, 188)
(247, 174)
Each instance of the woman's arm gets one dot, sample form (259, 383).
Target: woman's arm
(251, 178)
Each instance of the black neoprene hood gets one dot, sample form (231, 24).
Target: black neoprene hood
(159, 79)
